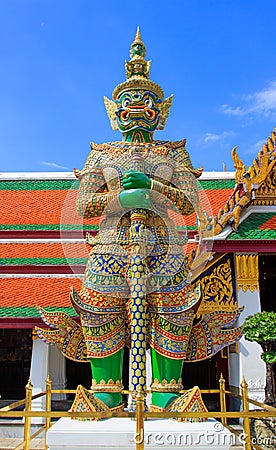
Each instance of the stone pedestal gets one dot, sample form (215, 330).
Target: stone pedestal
(117, 433)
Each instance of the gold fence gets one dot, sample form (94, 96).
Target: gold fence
(140, 415)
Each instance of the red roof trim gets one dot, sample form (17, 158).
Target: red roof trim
(37, 270)
(54, 234)
(45, 234)
(248, 245)
(15, 322)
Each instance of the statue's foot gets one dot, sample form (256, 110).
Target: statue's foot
(87, 401)
(111, 400)
(190, 401)
(163, 399)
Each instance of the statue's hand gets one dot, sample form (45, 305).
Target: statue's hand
(135, 198)
(135, 180)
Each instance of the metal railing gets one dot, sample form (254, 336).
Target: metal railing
(140, 415)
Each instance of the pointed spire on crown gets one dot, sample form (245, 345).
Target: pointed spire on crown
(137, 47)
(138, 37)
(138, 70)
(137, 66)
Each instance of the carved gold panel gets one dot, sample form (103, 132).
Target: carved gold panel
(247, 271)
(217, 287)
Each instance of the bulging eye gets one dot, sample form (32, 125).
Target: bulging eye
(149, 102)
(126, 103)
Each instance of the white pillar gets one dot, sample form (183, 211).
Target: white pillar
(38, 374)
(251, 366)
(57, 371)
(247, 362)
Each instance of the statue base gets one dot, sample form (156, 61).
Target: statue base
(115, 433)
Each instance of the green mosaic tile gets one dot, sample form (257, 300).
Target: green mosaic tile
(249, 228)
(38, 185)
(26, 311)
(42, 261)
(69, 227)
(52, 227)
(216, 184)
(55, 185)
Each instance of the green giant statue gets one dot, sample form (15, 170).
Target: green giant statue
(136, 290)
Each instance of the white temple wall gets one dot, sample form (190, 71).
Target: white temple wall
(46, 360)
(247, 362)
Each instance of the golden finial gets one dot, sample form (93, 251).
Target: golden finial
(138, 70)
(137, 64)
(137, 77)
(48, 379)
(138, 39)
(244, 384)
(29, 384)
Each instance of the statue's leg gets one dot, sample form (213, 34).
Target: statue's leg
(166, 374)
(171, 317)
(101, 305)
(171, 313)
(107, 378)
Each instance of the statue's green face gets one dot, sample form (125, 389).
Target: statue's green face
(138, 49)
(138, 110)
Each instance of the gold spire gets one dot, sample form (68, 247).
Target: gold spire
(138, 70)
(137, 43)
(138, 37)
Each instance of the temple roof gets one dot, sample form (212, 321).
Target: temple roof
(42, 240)
(21, 295)
(40, 204)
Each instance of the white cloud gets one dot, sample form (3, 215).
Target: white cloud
(52, 164)
(262, 102)
(255, 148)
(238, 111)
(213, 137)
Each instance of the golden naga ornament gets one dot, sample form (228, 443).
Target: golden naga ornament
(256, 185)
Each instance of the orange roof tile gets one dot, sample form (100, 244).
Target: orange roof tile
(18, 292)
(40, 207)
(50, 207)
(42, 250)
(270, 224)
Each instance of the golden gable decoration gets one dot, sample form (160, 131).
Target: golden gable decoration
(256, 185)
(266, 194)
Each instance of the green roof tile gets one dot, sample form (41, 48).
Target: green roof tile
(6, 312)
(66, 227)
(216, 184)
(250, 228)
(42, 185)
(42, 261)
(38, 185)
(51, 227)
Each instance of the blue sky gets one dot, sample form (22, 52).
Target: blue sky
(60, 57)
